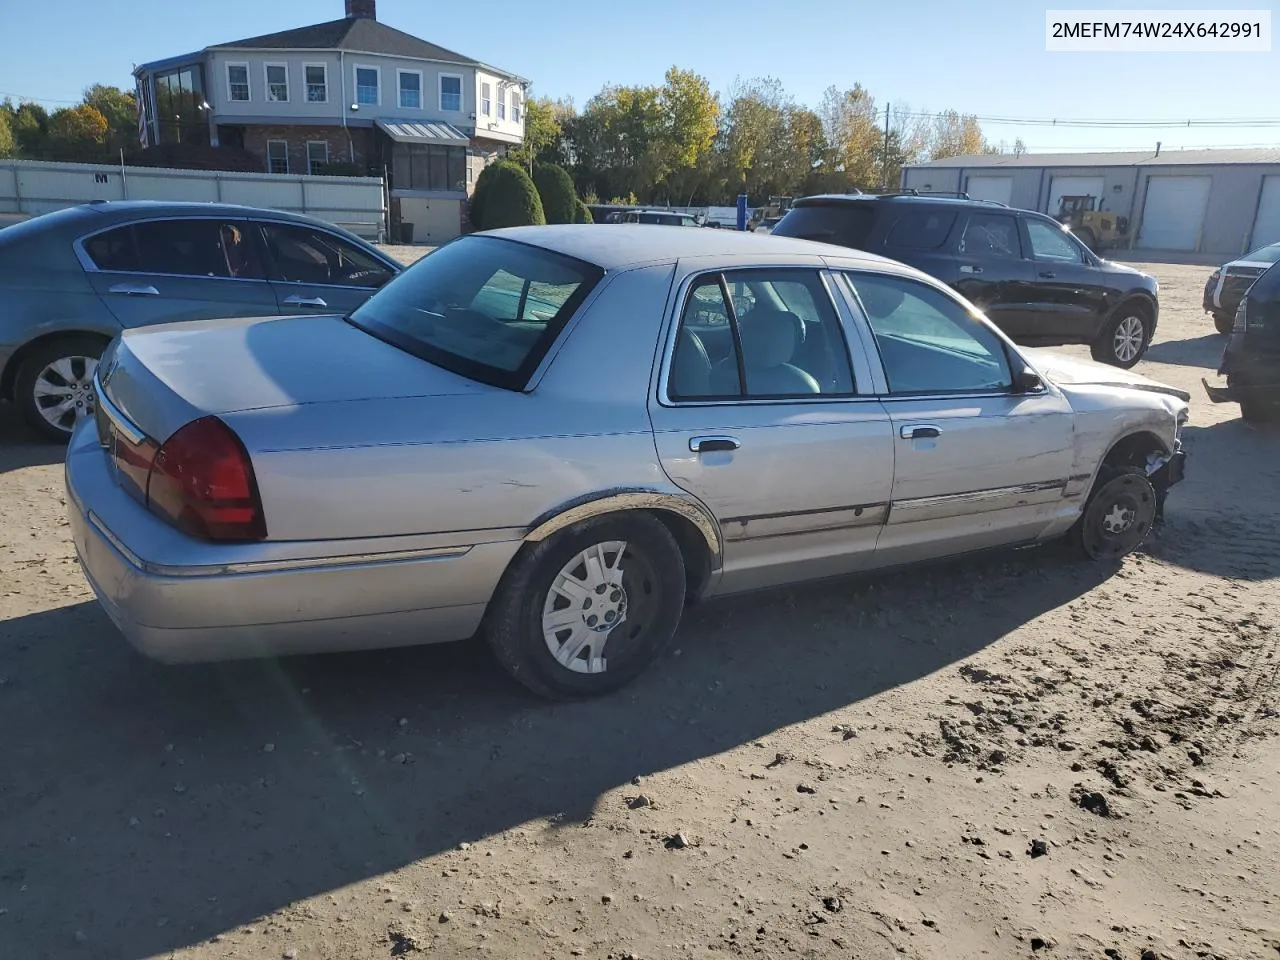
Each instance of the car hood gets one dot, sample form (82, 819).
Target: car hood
(1069, 371)
(165, 375)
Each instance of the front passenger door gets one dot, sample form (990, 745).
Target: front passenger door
(976, 464)
(314, 271)
(1068, 297)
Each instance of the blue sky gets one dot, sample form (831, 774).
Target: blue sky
(985, 58)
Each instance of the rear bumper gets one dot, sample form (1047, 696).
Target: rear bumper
(203, 612)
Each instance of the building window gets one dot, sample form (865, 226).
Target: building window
(277, 82)
(238, 82)
(316, 76)
(486, 99)
(502, 104)
(367, 86)
(423, 166)
(450, 92)
(317, 156)
(410, 89)
(277, 156)
(515, 106)
(179, 100)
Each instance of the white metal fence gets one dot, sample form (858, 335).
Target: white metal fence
(29, 188)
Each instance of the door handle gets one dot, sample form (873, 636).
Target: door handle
(712, 444)
(135, 290)
(919, 431)
(297, 301)
(969, 268)
(1048, 274)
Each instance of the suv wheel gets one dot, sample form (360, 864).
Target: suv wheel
(1124, 339)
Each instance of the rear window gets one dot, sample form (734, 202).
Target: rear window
(483, 307)
(847, 224)
(922, 230)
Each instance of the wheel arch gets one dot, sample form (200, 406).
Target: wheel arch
(9, 375)
(689, 522)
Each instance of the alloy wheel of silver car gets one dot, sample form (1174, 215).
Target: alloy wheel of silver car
(1128, 339)
(63, 391)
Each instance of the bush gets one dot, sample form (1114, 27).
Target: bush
(582, 213)
(341, 168)
(475, 210)
(555, 188)
(509, 199)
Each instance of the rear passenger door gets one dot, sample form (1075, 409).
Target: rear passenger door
(758, 413)
(178, 268)
(315, 271)
(991, 270)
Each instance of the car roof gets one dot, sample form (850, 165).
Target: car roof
(824, 199)
(616, 249)
(126, 209)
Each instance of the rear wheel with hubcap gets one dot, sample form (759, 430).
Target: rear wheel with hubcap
(54, 386)
(1118, 515)
(586, 611)
(1124, 339)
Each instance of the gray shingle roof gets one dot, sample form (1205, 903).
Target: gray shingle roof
(352, 33)
(1131, 158)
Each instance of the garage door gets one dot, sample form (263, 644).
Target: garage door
(1266, 226)
(1173, 213)
(999, 189)
(1075, 187)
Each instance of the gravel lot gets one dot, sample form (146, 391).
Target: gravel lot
(1025, 755)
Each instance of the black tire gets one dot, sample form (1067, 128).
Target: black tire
(34, 364)
(1125, 489)
(653, 591)
(1085, 236)
(1224, 323)
(1104, 349)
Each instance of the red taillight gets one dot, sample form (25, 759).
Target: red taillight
(202, 482)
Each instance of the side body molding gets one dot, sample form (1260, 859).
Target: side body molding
(617, 501)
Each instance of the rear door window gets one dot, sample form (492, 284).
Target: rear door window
(991, 236)
(195, 247)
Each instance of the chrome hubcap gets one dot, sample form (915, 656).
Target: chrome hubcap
(586, 602)
(63, 391)
(1129, 337)
(1118, 519)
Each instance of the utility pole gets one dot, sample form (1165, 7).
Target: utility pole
(884, 173)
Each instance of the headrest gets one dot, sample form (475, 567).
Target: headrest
(770, 337)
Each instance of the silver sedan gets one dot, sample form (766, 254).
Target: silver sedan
(555, 437)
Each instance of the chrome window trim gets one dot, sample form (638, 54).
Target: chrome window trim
(675, 311)
(86, 262)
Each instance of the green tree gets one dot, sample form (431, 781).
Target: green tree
(121, 110)
(542, 131)
(691, 115)
(555, 189)
(6, 135)
(582, 213)
(511, 199)
(854, 138)
(30, 129)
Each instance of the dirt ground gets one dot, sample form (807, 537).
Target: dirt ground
(1020, 756)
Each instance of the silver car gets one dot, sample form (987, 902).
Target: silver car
(554, 438)
(72, 280)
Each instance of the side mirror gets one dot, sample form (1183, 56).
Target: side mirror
(1028, 381)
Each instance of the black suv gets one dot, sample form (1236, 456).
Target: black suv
(1251, 360)
(1034, 279)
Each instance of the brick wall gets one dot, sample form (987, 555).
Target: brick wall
(297, 136)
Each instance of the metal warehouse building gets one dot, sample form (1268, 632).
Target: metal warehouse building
(1221, 202)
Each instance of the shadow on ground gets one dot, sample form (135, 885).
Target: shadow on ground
(138, 804)
(1224, 518)
(18, 446)
(1203, 351)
